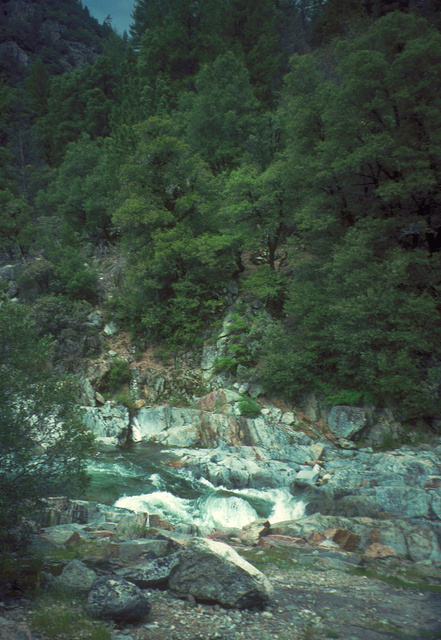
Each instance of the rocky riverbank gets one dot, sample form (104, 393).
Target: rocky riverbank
(254, 584)
(362, 563)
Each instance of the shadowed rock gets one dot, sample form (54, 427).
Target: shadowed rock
(213, 572)
(117, 599)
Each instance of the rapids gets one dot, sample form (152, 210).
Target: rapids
(144, 480)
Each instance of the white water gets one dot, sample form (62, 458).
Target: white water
(218, 509)
(141, 480)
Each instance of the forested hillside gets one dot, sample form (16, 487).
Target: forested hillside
(292, 148)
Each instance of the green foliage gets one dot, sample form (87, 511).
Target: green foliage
(258, 204)
(222, 114)
(118, 376)
(174, 148)
(179, 255)
(61, 616)
(347, 397)
(225, 363)
(268, 285)
(363, 301)
(43, 442)
(249, 407)
(17, 229)
(67, 322)
(79, 190)
(77, 279)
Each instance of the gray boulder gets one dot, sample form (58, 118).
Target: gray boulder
(117, 599)
(308, 476)
(150, 575)
(109, 423)
(345, 421)
(77, 577)
(213, 572)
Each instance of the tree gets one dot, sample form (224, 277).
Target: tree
(79, 189)
(179, 253)
(256, 200)
(362, 169)
(44, 444)
(222, 114)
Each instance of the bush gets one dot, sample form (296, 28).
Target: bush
(44, 444)
(249, 407)
(118, 376)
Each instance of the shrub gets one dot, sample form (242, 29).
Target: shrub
(44, 444)
(118, 376)
(249, 407)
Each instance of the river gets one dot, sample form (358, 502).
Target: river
(144, 479)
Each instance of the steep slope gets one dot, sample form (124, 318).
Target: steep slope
(62, 33)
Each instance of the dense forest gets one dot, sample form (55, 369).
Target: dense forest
(290, 147)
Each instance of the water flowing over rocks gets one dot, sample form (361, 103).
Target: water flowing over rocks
(361, 510)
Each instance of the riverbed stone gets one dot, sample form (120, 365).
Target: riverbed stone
(117, 599)
(213, 572)
(11, 630)
(306, 477)
(404, 501)
(150, 575)
(77, 577)
(419, 542)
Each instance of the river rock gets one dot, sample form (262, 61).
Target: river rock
(404, 501)
(234, 467)
(11, 630)
(150, 575)
(135, 550)
(61, 536)
(213, 572)
(252, 533)
(109, 423)
(306, 477)
(132, 526)
(62, 510)
(117, 599)
(345, 421)
(408, 540)
(76, 577)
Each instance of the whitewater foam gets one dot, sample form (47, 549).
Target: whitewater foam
(218, 508)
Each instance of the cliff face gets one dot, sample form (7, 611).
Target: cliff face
(61, 33)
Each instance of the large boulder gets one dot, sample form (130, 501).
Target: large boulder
(213, 572)
(76, 577)
(117, 599)
(345, 421)
(109, 424)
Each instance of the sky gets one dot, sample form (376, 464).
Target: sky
(119, 10)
